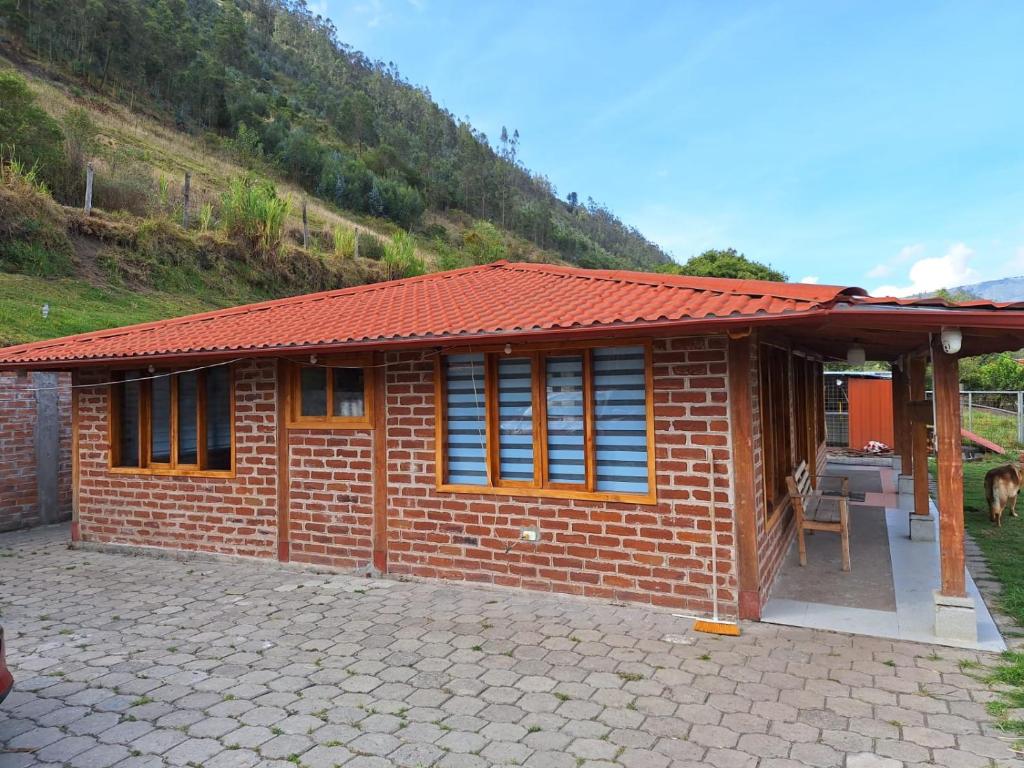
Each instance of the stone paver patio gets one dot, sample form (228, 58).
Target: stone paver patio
(139, 662)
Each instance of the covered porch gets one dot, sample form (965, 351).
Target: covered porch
(889, 590)
(908, 578)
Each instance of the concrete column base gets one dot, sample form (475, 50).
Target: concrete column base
(955, 618)
(922, 527)
(897, 464)
(905, 484)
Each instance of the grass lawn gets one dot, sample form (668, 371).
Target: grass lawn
(76, 307)
(1003, 548)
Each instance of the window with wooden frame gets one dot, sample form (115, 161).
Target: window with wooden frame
(172, 423)
(336, 393)
(568, 423)
(776, 435)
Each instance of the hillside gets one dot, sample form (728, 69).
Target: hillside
(269, 85)
(1006, 289)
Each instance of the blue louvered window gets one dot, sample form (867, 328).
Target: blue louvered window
(565, 412)
(620, 419)
(466, 414)
(566, 421)
(515, 419)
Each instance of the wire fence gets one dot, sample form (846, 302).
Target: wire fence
(996, 415)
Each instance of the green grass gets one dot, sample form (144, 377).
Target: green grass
(1002, 548)
(76, 307)
(1000, 428)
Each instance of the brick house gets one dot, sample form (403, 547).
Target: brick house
(435, 426)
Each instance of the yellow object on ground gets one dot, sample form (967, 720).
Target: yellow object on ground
(716, 627)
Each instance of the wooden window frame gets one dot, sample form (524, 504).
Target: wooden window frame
(328, 421)
(146, 465)
(775, 382)
(541, 487)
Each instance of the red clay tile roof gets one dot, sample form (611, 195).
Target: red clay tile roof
(500, 299)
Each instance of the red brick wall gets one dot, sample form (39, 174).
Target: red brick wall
(235, 516)
(331, 497)
(652, 554)
(655, 554)
(19, 506)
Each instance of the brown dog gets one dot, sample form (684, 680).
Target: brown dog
(1002, 485)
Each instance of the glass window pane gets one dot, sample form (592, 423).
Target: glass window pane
(515, 409)
(565, 419)
(127, 416)
(188, 418)
(348, 392)
(218, 418)
(160, 420)
(620, 419)
(466, 420)
(313, 385)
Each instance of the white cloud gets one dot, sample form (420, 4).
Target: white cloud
(880, 270)
(929, 274)
(908, 252)
(810, 279)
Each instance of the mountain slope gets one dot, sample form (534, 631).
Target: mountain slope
(271, 84)
(1005, 289)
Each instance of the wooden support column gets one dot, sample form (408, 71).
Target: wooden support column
(380, 463)
(901, 415)
(918, 436)
(283, 463)
(741, 417)
(76, 529)
(946, 373)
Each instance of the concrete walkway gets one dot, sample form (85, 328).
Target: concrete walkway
(139, 662)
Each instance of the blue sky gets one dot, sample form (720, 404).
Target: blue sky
(879, 145)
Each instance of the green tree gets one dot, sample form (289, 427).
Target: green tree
(725, 263)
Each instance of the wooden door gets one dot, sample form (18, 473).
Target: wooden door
(870, 411)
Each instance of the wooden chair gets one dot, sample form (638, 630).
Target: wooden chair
(818, 509)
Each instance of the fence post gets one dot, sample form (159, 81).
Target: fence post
(1020, 417)
(185, 193)
(88, 188)
(305, 226)
(970, 411)
(355, 251)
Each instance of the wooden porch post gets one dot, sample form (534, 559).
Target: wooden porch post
(919, 436)
(946, 373)
(901, 415)
(741, 417)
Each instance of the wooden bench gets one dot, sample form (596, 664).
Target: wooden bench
(819, 510)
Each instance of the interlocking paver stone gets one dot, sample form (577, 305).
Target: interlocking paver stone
(237, 665)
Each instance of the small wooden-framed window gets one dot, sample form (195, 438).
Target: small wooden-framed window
(548, 421)
(172, 423)
(336, 393)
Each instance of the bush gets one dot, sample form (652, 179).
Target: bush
(400, 259)
(80, 145)
(483, 243)
(370, 246)
(122, 185)
(252, 212)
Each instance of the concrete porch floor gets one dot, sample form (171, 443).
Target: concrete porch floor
(888, 592)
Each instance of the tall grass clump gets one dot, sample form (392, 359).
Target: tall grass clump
(344, 241)
(252, 212)
(400, 259)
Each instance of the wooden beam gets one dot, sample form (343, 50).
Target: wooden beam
(921, 411)
(919, 435)
(283, 463)
(380, 462)
(741, 417)
(900, 414)
(946, 373)
(76, 472)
